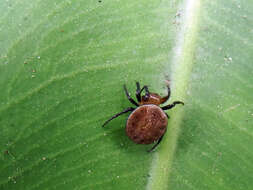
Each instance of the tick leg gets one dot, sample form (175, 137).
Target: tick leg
(129, 97)
(118, 114)
(138, 91)
(172, 105)
(164, 99)
(158, 142)
(146, 90)
(167, 115)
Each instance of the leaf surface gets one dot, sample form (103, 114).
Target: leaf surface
(62, 68)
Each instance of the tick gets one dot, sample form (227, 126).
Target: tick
(148, 122)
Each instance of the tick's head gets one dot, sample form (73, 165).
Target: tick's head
(151, 98)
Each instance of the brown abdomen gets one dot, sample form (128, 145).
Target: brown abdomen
(146, 124)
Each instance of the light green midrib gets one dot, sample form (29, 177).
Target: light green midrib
(181, 69)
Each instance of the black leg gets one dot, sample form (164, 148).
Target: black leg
(146, 90)
(172, 105)
(118, 114)
(158, 142)
(138, 91)
(167, 115)
(129, 98)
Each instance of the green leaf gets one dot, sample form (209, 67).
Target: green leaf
(62, 68)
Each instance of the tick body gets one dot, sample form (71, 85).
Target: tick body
(148, 122)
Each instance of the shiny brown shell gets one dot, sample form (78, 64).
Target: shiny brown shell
(146, 124)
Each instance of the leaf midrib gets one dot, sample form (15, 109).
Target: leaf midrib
(182, 63)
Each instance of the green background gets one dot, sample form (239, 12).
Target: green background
(62, 68)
